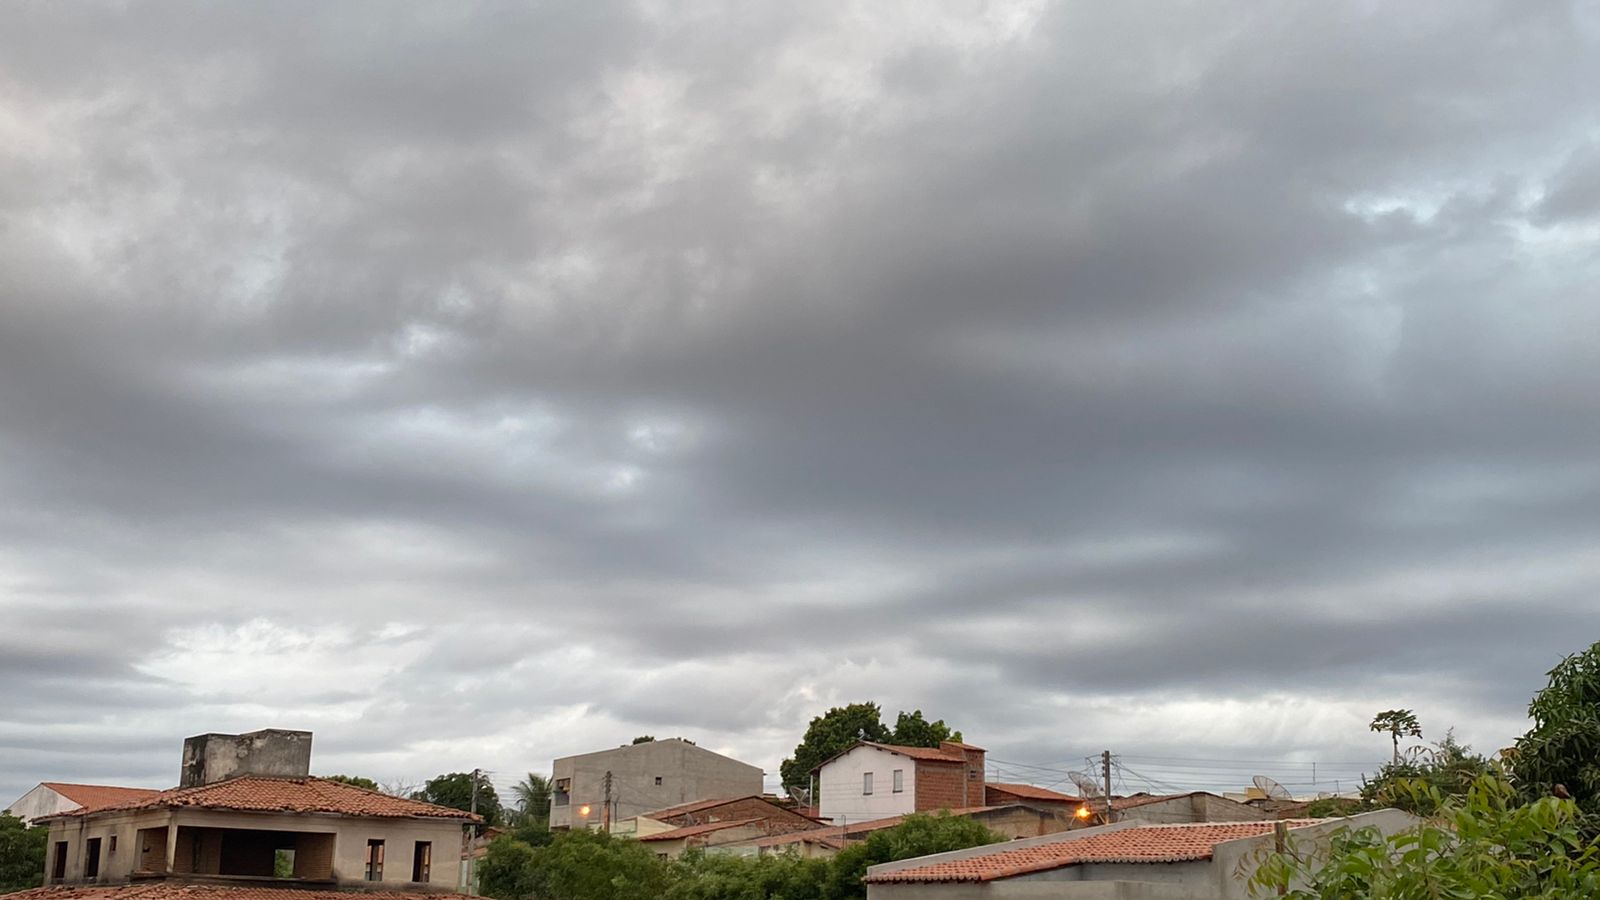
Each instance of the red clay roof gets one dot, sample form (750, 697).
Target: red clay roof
(257, 793)
(698, 805)
(841, 832)
(168, 890)
(92, 796)
(1029, 792)
(689, 831)
(1147, 844)
(923, 754)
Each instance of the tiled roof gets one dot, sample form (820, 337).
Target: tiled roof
(924, 754)
(689, 831)
(168, 890)
(1147, 844)
(1146, 799)
(258, 793)
(92, 796)
(1029, 792)
(684, 809)
(964, 746)
(853, 829)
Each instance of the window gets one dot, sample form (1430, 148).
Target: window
(658, 781)
(113, 847)
(422, 861)
(91, 858)
(899, 781)
(866, 783)
(58, 871)
(374, 860)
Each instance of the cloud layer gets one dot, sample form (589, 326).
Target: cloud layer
(480, 385)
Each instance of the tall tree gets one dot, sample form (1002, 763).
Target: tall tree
(912, 730)
(533, 797)
(455, 791)
(1561, 747)
(21, 854)
(830, 734)
(353, 781)
(1397, 723)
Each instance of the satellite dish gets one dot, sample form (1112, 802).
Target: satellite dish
(1272, 789)
(1085, 784)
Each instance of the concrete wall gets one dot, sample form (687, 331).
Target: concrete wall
(687, 772)
(839, 786)
(41, 801)
(209, 758)
(348, 856)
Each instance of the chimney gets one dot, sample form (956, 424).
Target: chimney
(209, 758)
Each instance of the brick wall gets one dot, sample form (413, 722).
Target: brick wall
(313, 856)
(942, 785)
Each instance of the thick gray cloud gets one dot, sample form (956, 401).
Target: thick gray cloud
(484, 384)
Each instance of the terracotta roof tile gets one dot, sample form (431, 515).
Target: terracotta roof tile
(689, 831)
(168, 890)
(1147, 844)
(257, 793)
(1029, 792)
(93, 796)
(924, 754)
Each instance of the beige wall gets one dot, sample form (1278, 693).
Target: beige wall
(687, 772)
(350, 836)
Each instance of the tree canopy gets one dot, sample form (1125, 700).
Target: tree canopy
(22, 852)
(455, 791)
(1397, 723)
(533, 798)
(644, 739)
(354, 781)
(1449, 770)
(1563, 746)
(835, 730)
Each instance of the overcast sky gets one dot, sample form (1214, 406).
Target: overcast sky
(483, 383)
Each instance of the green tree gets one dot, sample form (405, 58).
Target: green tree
(353, 781)
(1450, 768)
(644, 739)
(1563, 745)
(533, 799)
(834, 731)
(575, 865)
(703, 876)
(912, 730)
(1484, 844)
(22, 851)
(918, 835)
(1397, 723)
(455, 791)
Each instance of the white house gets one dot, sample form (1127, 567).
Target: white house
(53, 797)
(876, 781)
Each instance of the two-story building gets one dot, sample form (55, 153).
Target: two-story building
(873, 781)
(595, 789)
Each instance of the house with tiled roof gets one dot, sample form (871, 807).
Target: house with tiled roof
(1009, 821)
(52, 797)
(771, 817)
(672, 843)
(871, 780)
(248, 814)
(1198, 861)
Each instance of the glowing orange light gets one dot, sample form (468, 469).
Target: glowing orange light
(583, 810)
(1083, 812)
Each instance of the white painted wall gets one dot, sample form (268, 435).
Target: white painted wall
(839, 786)
(41, 801)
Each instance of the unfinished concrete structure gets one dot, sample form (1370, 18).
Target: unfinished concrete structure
(209, 758)
(593, 789)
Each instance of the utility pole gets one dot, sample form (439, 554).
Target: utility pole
(476, 775)
(1105, 769)
(472, 832)
(605, 811)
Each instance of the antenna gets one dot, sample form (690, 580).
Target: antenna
(1272, 789)
(1086, 784)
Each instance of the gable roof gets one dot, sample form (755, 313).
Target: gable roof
(1144, 844)
(92, 796)
(1030, 792)
(920, 754)
(260, 793)
(689, 831)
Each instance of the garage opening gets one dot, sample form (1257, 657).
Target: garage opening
(249, 853)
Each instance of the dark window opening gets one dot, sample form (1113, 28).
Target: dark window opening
(58, 871)
(113, 847)
(422, 862)
(658, 781)
(91, 858)
(374, 860)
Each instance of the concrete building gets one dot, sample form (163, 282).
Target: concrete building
(875, 781)
(280, 830)
(770, 817)
(642, 778)
(209, 758)
(1121, 861)
(671, 844)
(53, 797)
(1177, 809)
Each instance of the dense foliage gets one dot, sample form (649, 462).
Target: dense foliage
(586, 865)
(1563, 746)
(1484, 844)
(835, 730)
(455, 791)
(533, 799)
(1449, 769)
(22, 852)
(354, 781)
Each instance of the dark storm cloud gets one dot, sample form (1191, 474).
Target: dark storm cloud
(572, 371)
